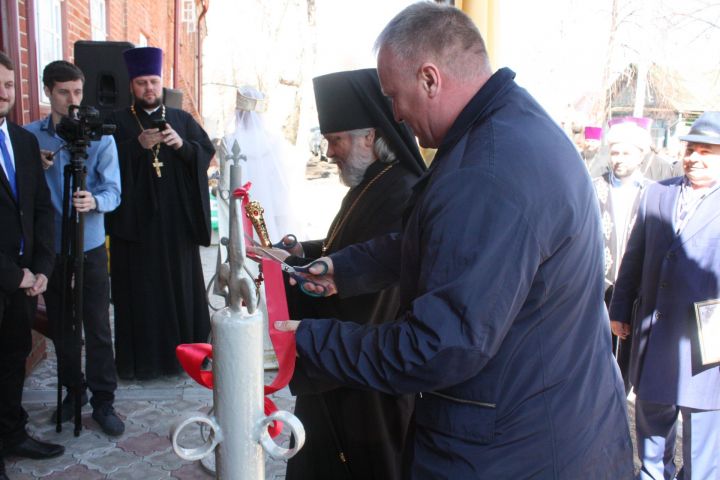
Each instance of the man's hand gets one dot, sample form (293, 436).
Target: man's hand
(28, 279)
(297, 249)
(620, 329)
(171, 138)
(287, 325)
(38, 287)
(83, 201)
(46, 158)
(150, 137)
(326, 280)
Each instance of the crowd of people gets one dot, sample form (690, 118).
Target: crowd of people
(146, 187)
(484, 317)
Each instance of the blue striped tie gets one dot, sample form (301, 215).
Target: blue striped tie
(9, 168)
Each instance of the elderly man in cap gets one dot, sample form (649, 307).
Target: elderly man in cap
(670, 270)
(618, 192)
(157, 282)
(352, 433)
(501, 331)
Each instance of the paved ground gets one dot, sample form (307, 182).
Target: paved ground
(144, 451)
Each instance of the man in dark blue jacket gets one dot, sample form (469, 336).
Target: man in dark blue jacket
(502, 333)
(672, 264)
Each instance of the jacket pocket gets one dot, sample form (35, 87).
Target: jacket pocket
(469, 420)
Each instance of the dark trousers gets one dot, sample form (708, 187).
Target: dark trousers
(100, 362)
(17, 312)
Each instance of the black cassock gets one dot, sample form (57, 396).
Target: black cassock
(368, 427)
(158, 289)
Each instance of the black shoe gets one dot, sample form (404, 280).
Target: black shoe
(108, 420)
(67, 410)
(31, 448)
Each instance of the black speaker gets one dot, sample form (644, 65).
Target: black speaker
(107, 86)
(173, 97)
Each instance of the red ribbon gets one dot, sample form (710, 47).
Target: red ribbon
(192, 355)
(244, 193)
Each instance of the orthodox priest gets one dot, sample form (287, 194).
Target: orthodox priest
(355, 434)
(158, 289)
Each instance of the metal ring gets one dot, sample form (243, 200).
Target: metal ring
(273, 449)
(205, 449)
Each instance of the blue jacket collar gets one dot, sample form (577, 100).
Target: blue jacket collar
(479, 105)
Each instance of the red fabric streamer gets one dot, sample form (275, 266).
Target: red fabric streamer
(243, 192)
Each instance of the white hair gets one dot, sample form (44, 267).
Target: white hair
(382, 149)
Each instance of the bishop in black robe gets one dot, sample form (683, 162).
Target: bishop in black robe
(352, 433)
(158, 289)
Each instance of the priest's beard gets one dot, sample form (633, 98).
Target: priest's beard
(148, 105)
(354, 166)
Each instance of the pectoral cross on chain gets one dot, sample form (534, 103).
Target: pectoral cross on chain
(157, 164)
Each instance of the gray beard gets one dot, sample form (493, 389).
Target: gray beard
(355, 166)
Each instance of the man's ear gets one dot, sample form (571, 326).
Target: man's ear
(429, 77)
(370, 138)
(47, 91)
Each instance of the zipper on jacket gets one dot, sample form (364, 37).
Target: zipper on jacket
(462, 400)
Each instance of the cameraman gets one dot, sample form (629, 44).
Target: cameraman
(64, 87)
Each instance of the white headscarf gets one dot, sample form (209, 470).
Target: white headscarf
(267, 166)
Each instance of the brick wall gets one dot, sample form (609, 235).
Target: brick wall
(77, 24)
(24, 66)
(126, 21)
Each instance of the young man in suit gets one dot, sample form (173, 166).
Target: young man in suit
(672, 261)
(26, 260)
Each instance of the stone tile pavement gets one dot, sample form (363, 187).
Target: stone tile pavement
(149, 409)
(143, 452)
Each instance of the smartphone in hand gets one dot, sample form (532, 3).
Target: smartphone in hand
(159, 123)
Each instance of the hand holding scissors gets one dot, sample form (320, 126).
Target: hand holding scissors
(290, 243)
(298, 274)
(308, 287)
(322, 282)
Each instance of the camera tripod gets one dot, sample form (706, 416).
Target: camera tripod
(72, 244)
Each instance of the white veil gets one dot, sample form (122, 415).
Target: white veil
(267, 167)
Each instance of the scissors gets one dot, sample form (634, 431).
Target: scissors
(294, 271)
(292, 241)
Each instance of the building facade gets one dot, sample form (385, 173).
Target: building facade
(36, 32)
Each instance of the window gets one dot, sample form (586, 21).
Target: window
(98, 20)
(189, 15)
(49, 41)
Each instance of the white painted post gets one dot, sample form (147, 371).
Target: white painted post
(238, 428)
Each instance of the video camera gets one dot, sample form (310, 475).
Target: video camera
(83, 125)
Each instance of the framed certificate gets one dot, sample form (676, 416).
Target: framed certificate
(707, 315)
